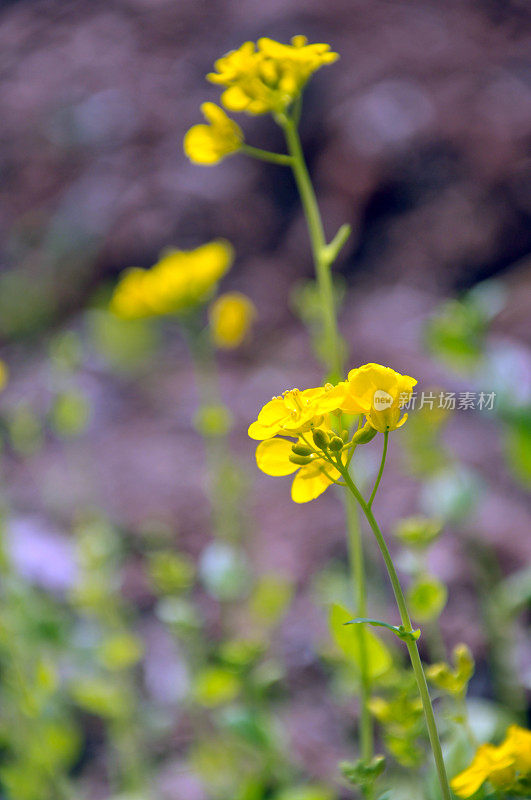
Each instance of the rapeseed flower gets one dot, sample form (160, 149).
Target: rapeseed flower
(380, 393)
(210, 143)
(305, 415)
(179, 281)
(231, 315)
(267, 77)
(296, 412)
(505, 767)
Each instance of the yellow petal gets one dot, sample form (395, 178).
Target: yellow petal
(310, 482)
(272, 457)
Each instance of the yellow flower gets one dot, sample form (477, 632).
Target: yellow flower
(488, 764)
(379, 393)
(502, 766)
(209, 144)
(268, 76)
(311, 480)
(231, 316)
(295, 411)
(3, 374)
(453, 681)
(176, 283)
(518, 744)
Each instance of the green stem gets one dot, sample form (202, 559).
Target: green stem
(380, 471)
(411, 644)
(321, 256)
(266, 155)
(357, 569)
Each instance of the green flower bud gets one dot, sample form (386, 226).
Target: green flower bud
(365, 434)
(336, 444)
(344, 435)
(300, 460)
(418, 532)
(320, 438)
(301, 449)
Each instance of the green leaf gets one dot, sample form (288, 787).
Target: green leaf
(426, 597)
(379, 659)
(398, 630)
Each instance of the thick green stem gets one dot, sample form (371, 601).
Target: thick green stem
(321, 256)
(410, 643)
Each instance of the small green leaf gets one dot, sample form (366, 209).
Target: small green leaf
(379, 659)
(398, 630)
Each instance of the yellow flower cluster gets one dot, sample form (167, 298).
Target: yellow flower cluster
(181, 280)
(506, 768)
(268, 76)
(261, 78)
(372, 390)
(231, 315)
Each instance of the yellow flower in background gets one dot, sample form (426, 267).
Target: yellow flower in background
(181, 280)
(454, 681)
(231, 316)
(503, 767)
(209, 144)
(312, 479)
(488, 764)
(379, 393)
(295, 411)
(518, 743)
(4, 374)
(268, 76)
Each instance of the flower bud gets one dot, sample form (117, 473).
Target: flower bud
(320, 438)
(301, 449)
(336, 444)
(300, 460)
(344, 435)
(365, 434)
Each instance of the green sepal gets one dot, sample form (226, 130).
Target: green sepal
(398, 630)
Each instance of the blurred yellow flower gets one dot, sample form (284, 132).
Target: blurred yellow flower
(179, 281)
(3, 374)
(518, 743)
(503, 767)
(295, 411)
(231, 315)
(454, 681)
(311, 480)
(379, 393)
(209, 144)
(268, 76)
(488, 764)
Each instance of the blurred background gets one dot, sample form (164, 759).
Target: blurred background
(120, 601)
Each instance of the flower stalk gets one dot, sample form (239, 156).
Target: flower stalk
(411, 643)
